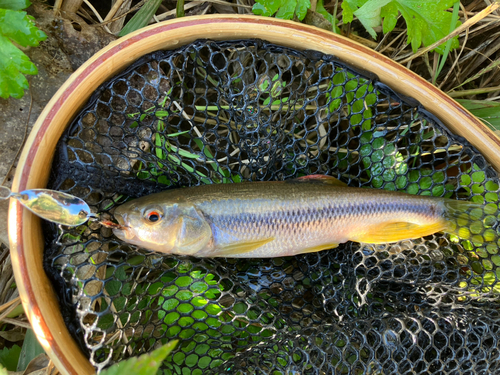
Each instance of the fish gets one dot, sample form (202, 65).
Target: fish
(283, 218)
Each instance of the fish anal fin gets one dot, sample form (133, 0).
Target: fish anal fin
(315, 249)
(397, 231)
(320, 178)
(238, 248)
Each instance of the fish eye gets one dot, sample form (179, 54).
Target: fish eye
(153, 216)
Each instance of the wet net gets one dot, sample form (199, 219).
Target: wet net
(226, 112)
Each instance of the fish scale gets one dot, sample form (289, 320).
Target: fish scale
(318, 224)
(270, 219)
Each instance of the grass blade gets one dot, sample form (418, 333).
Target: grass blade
(142, 17)
(454, 19)
(491, 66)
(179, 10)
(487, 111)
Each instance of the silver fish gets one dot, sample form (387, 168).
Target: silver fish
(272, 219)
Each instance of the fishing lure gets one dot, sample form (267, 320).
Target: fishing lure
(55, 206)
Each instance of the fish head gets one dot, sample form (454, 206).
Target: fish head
(172, 228)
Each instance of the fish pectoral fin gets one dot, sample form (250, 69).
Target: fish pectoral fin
(397, 231)
(192, 232)
(320, 178)
(241, 247)
(315, 249)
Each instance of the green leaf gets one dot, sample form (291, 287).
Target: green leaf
(31, 349)
(369, 15)
(266, 7)
(146, 364)
(287, 10)
(113, 287)
(347, 12)
(18, 27)
(337, 91)
(3, 371)
(427, 20)
(9, 357)
(284, 9)
(389, 13)
(302, 7)
(14, 4)
(487, 111)
(141, 18)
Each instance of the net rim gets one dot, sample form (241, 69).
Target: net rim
(25, 231)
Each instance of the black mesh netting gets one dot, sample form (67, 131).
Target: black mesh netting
(223, 112)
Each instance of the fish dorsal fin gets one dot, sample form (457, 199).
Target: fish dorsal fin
(320, 178)
(241, 247)
(397, 231)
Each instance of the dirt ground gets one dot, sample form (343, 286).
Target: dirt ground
(56, 58)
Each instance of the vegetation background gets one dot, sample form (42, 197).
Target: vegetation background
(454, 45)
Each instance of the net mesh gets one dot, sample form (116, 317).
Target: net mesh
(226, 112)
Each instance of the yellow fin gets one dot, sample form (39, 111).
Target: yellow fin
(240, 248)
(320, 178)
(315, 249)
(393, 232)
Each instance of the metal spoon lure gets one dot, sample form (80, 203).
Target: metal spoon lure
(55, 206)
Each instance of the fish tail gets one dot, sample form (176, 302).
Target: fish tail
(467, 221)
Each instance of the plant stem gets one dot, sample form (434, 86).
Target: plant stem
(483, 90)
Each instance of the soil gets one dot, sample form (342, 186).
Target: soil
(69, 44)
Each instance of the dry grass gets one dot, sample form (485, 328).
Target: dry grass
(470, 72)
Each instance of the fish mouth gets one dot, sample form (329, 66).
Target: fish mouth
(121, 221)
(122, 230)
